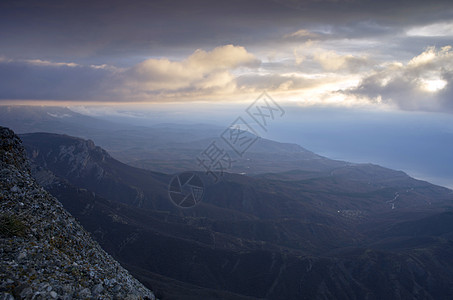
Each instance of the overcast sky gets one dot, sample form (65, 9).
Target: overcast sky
(392, 54)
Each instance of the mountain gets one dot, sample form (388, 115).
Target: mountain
(45, 253)
(167, 148)
(91, 167)
(344, 231)
(264, 156)
(171, 148)
(125, 142)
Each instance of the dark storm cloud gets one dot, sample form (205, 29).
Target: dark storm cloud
(90, 30)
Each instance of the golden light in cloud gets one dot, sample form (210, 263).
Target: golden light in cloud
(431, 54)
(433, 85)
(201, 70)
(310, 74)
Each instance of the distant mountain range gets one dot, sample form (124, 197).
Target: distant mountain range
(419, 147)
(167, 148)
(115, 137)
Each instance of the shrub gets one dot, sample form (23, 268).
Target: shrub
(11, 226)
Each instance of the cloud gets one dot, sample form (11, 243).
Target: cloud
(46, 63)
(225, 72)
(432, 30)
(302, 34)
(107, 28)
(201, 73)
(207, 71)
(313, 54)
(46, 80)
(313, 75)
(332, 61)
(423, 83)
(283, 82)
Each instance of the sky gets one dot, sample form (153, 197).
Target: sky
(384, 67)
(328, 52)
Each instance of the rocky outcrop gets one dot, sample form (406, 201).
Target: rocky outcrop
(44, 252)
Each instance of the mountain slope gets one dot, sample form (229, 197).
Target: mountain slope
(91, 167)
(45, 252)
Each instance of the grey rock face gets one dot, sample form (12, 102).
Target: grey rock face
(44, 252)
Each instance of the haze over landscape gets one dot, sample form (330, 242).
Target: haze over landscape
(353, 76)
(344, 192)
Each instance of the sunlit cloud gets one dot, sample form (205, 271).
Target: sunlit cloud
(203, 70)
(39, 62)
(433, 85)
(311, 75)
(432, 30)
(332, 61)
(423, 83)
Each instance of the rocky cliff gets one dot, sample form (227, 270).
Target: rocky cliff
(44, 252)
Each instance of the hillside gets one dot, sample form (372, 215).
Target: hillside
(45, 253)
